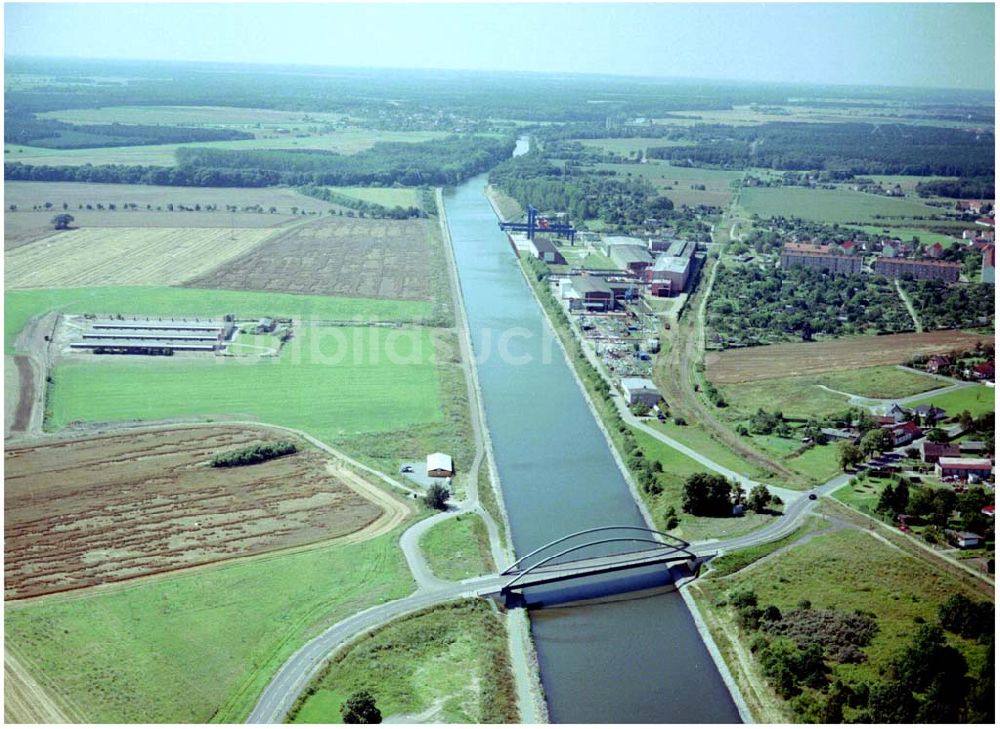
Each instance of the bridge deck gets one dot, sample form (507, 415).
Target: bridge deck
(545, 574)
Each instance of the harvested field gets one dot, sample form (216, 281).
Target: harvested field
(25, 393)
(105, 509)
(22, 228)
(389, 259)
(126, 256)
(785, 360)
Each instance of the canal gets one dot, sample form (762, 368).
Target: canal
(625, 659)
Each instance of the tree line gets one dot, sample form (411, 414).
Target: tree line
(883, 149)
(24, 128)
(253, 454)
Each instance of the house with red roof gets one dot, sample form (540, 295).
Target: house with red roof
(903, 433)
(963, 468)
(984, 371)
(936, 362)
(935, 250)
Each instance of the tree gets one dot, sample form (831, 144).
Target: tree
(437, 497)
(360, 708)
(936, 435)
(707, 494)
(849, 455)
(62, 221)
(759, 499)
(875, 441)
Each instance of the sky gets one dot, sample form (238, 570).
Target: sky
(912, 44)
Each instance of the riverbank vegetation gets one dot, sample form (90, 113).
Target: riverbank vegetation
(779, 611)
(445, 664)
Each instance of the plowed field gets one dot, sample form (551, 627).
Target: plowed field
(109, 508)
(785, 360)
(378, 259)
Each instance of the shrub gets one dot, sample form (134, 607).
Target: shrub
(253, 454)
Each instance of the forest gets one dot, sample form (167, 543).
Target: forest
(30, 130)
(885, 149)
(976, 188)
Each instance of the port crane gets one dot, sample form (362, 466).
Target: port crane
(538, 223)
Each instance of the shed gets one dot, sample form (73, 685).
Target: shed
(440, 465)
(640, 389)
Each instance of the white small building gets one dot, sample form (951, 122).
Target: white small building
(440, 465)
(640, 389)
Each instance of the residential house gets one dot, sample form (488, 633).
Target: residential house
(903, 433)
(920, 269)
(935, 250)
(983, 371)
(820, 257)
(929, 414)
(898, 413)
(937, 362)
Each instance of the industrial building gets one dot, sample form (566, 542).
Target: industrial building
(640, 390)
(634, 259)
(545, 250)
(671, 271)
(155, 336)
(610, 242)
(819, 257)
(595, 293)
(920, 269)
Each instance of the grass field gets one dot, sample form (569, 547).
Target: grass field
(676, 468)
(977, 399)
(390, 197)
(458, 548)
(20, 306)
(676, 182)
(126, 256)
(837, 355)
(347, 141)
(831, 206)
(328, 381)
(848, 570)
(925, 236)
(197, 646)
(800, 397)
(444, 665)
(695, 436)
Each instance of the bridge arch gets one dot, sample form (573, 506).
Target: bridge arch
(522, 574)
(676, 542)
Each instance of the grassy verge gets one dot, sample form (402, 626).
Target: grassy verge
(198, 646)
(696, 437)
(458, 548)
(489, 497)
(20, 306)
(849, 571)
(450, 661)
(733, 562)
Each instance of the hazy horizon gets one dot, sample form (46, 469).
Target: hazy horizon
(932, 46)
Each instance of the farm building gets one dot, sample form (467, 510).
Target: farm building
(265, 325)
(899, 267)
(972, 446)
(640, 389)
(848, 434)
(963, 540)
(440, 465)
(963, 468)
(545, 250)
(818, 256)
(155, 336)
(932, 452)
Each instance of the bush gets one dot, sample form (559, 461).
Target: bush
(253, 454)
(437, 497)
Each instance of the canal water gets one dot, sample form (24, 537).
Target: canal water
(625, 659)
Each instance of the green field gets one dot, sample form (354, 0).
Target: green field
(458, 548)
(348, 141)
(328, 381)
(450, 661)
(925, 236)
(832, 206)
(977, 399)
(695, 436)
(676, 468)
(628, 145)
(801, 397)
(20, 306)
(197, 646)
(850, 570)
(389, 197)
